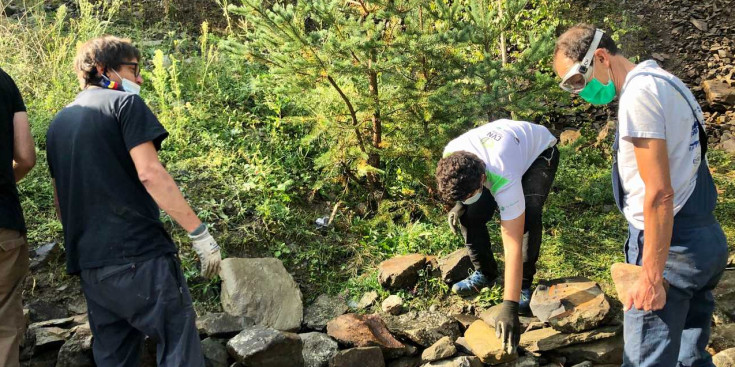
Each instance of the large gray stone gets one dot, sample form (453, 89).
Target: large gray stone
(725, 298)
(726, 358)
(605, 351)
(401, 271)
(266, 347)
(463, 361)
(223, 325)
(423, 327)
(547, 339)
(455, 266)
(318, 349)
(358, 357)
(77, 350)
(215, 353)
(570, 304)
(324, 309)
(263, 290)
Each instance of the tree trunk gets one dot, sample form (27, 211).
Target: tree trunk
(377, 128)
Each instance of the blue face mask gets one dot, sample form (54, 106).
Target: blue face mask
(473, 199)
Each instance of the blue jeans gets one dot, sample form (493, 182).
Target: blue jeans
(677, 335)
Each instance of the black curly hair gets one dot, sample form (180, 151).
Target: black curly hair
(458, 175)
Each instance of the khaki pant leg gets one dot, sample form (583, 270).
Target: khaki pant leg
(13, 268)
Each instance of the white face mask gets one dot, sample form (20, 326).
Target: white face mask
(473, 199)
(128, 85)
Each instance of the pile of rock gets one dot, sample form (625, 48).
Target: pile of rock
(266, 325)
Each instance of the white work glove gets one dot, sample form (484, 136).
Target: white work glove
(208, 251)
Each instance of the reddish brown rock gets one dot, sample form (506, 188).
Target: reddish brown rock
(354, 330)
(401, 272)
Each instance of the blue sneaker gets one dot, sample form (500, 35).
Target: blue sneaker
(524, 306)
(472, 284)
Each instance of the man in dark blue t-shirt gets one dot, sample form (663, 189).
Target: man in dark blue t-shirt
(109, 185)
(17, 157)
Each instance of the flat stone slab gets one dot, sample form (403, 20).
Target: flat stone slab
(570, 304)
(547, 339)
(485, 345)
(261, 289)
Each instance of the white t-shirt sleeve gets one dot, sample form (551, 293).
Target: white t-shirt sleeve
(641, 114)
(511, 202)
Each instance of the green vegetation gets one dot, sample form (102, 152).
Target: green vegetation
(293, 110)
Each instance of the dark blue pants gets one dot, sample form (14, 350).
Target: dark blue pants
(127, 302)
(678, 334)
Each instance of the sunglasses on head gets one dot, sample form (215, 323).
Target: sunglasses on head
(576, 78)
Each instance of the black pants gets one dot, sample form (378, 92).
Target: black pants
(127, 302)
(536, 185)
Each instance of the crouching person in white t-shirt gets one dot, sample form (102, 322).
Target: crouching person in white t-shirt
(507, 166)
(663, 186)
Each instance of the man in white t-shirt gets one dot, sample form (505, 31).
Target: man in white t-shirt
(663, 186)
(509, 166)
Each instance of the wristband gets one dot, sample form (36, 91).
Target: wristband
(199, 230)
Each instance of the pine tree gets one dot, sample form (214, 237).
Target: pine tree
(387, 82)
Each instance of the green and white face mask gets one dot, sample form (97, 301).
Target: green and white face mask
(597, 93)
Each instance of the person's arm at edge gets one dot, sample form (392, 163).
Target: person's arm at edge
(658, 220)
(511, 232)
(162, 187)
(24, 152)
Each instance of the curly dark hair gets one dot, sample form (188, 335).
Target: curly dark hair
(108, 51)
(458, 175)
(576, 40)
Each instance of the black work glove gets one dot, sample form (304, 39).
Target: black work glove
(508, 327)
(453, 217)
